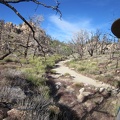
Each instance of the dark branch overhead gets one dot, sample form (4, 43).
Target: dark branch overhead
(56, 7)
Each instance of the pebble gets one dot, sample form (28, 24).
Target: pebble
(82, 90)
(101, 90)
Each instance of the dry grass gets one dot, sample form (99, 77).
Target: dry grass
(101, 68)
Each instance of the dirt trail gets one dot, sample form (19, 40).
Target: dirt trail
(62, 69)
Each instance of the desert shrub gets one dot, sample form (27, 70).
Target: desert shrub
(78, 84)
(11, 59)
(53, 71)
(9, 94)
(67, 74)
(79, 69)
(11, 74)
(117, 84)
(36, 107)
(84, 66)
(8, 60)
(35, 79)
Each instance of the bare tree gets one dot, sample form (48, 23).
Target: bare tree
(79, 42)
(104, 43)
(8, 41)
(2, 22)
(93, 43)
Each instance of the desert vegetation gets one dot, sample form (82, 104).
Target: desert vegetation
(24, 69)
(99, 58)
(31, 88)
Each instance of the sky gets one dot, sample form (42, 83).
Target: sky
(77, 15)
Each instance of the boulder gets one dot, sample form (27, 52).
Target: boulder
(15, 114)
(3, 113)
(80, 98)
(89, 105)
(83, 95)
(82, 90)
(70, 89)
(86, 94)
(118, 95)
(98, 100)
(106, 93)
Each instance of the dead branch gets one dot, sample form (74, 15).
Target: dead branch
(4, 56)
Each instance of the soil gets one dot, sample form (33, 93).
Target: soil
(61, 69)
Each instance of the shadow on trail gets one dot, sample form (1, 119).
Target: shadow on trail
(56, 66)
(66, 113)
(51, 84)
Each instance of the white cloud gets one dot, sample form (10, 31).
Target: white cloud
(62, 29)
(63, 25)
(70, 26)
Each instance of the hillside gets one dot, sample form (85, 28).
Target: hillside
(33, 85)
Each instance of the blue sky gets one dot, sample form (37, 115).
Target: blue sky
(76, 15)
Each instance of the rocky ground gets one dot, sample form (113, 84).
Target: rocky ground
(94, 101)
(88, 102)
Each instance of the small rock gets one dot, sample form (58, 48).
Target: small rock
(80, 98)
(86, 94)
(117, 89)
(106, 93)
(98, 100)
(89, 87)
(58, 85)
(101, 90)
(97, 89)
(86, 84)
(109, 89)
(70, 89)
(14, 114)
(114, 92)
(54, 109)
(101, 100)
(72, 104)
(118, 95)
(72, 68)
(82, 90)
(89, 105)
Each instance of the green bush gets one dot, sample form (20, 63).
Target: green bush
(8, 60)
(84, 66)
(67, 75)
(117, 84)
(53, 71)
(37, 68)
(79, 69)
